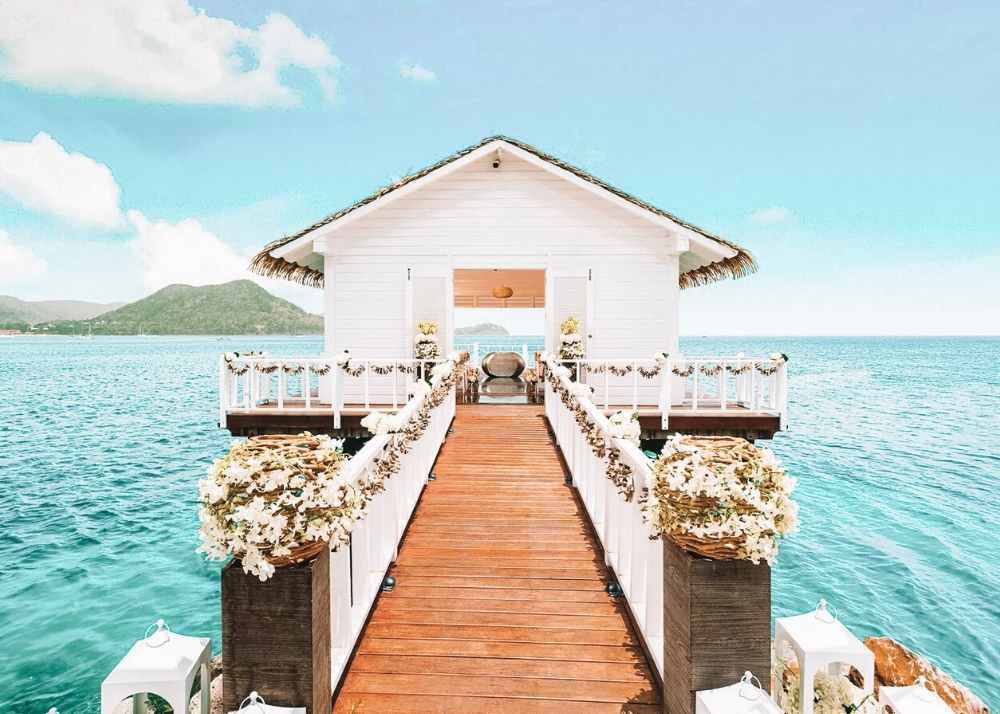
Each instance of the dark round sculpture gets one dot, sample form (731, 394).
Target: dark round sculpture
(503, 364)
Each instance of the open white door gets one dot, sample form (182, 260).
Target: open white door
(569, 293)
(429, 296)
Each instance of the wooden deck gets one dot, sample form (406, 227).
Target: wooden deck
(500, 602)
(708, 419)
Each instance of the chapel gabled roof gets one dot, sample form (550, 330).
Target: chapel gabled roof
(740, 264)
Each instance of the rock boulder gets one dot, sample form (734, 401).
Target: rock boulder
(897, 666)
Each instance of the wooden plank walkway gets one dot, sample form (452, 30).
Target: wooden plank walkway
(500, 603)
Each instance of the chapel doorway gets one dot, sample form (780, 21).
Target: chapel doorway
(499, 318)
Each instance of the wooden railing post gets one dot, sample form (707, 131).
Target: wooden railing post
(276, 636)
(717, 624)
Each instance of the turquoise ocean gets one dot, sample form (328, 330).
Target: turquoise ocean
(895, 441)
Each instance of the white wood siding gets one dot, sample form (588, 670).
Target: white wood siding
(515, 216)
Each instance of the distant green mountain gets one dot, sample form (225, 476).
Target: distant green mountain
(13, 310)
(483, 328)
(240, 307)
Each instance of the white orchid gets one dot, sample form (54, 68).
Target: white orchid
(624, 424)
(260, 503)
(442, 369)
(750, 495)
(419, 388)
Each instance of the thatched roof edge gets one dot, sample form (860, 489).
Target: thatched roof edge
(738, 266)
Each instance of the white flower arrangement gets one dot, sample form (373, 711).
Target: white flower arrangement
(571, 346)
(343, 358)
(581, 390)
(570, 339)
(419, 388)
(442, 369)
(561, 371)
(425, 344)
(721, 497)
(624, 424)
(832, 693)
(379, 423)
(275, 500)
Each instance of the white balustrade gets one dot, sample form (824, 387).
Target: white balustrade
(358, 568)
(702, 384)
(636, 560)
(313, 383)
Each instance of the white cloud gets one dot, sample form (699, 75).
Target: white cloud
(43, 176)
(771, 216)
(188, 253)
(158, 50)
(416, 72)
(183, 252)
(18, 263)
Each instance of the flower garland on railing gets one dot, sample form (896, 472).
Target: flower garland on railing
(381, 367)
(238, 368)
(401, 435)
(235, 366)
(682, 370)
(769, 368)
(618, 472)
(721, 497)
(711, 370)
(278, 500)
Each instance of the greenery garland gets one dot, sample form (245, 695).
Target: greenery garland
(618, 472)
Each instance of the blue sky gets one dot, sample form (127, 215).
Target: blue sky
(853, 148)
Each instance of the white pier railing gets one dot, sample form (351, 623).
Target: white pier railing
(722, 384)
(319, 384)
(636, 560)
(357, 570)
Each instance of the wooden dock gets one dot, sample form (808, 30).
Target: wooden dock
(294, 417)
(500, 602)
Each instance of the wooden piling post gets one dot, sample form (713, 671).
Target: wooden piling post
(717, 624)
(276, 636)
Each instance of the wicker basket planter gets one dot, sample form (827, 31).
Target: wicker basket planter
(721, 497)
(273, 502)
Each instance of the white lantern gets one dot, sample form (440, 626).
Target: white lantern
(255, 704)
(744, 697)
(915, 699)
(821, 642)
(162, 663)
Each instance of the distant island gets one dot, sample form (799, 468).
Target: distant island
(240, 307)
(14, 311)
(483, 328)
